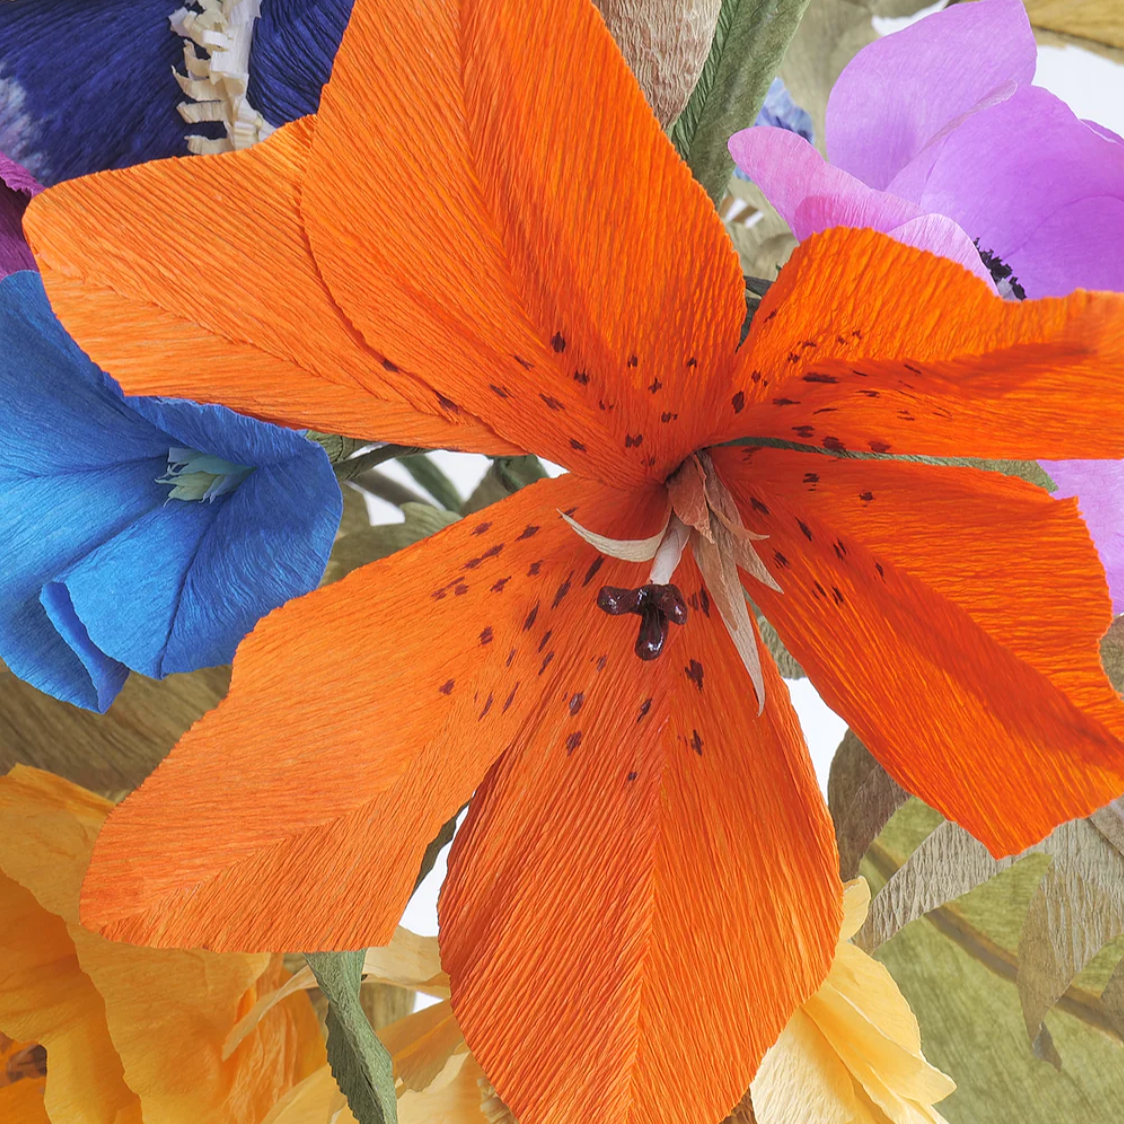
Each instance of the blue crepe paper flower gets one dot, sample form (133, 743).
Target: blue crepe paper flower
(295, 43)
(87, 86)
(101, 570)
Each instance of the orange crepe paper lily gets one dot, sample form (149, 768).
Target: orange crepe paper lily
(94, 1031)
(489, 244)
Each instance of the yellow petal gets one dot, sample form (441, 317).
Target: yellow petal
(166, 1012)
(802, 1079)
(871, 988)
(45, 997)
(421, 1044)
(453, 1098)
(311, 1102)
(856, 902)
(409, 961)
(898, 1080)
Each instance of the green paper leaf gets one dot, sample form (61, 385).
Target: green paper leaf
(338, 448)
(785, 661)
(372, 543)
(359, 1061)
(862, 797)
(960, 966)
(506, 476)
(442, 839)
(434, 481)
(1077, 909)
(748, 45)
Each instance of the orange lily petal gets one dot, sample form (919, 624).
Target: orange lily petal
(203, 264)
(22, 1103)
(518, 131)
(952, 617)
(386, 697)
(866, 344)
(622, 877)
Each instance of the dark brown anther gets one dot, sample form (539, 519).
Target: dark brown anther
(658, 606)
(670, 602)
(616, 601)
(653, 633)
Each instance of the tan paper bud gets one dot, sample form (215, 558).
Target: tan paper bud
(666, 43)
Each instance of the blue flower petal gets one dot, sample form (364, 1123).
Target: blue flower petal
(295, 43)
(127, 591)
(46, 524)
(269, 543)
(87, 86)
(56, 413)
(106, 676)
(217, 430)
(99, 569)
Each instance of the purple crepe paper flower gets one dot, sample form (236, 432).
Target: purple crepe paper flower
(17, 186)
(937, 137)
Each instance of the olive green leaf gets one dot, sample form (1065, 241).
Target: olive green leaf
(948, 863)
(960, 967)
(359, 1061)
(505, 477)
(862, 797)
(749, 41)
(427, 473)
(355, 516)
(1075, 907)
(372, 543)
(110, 753)
(785, 661)
(338, 448)
(1112, 654)
(1112, 999)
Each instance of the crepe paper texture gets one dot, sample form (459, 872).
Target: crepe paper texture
(294, 44)
(87, 87)
(937, 137)
(103, 570)
(851, 1053)
(130, 1033)
(941, 120)
(478, 301)
(17, 186)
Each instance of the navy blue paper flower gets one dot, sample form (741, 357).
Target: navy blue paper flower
(138, 533)
(86, 86)
(89, 86)
(295, 43)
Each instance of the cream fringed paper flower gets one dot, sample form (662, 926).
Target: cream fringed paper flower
(852, 1053)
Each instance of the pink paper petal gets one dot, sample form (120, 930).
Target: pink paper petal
(900, 92)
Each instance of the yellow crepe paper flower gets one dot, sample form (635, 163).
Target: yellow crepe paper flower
(850, 1055)
(132, 1035)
